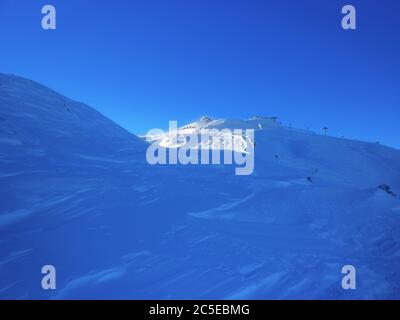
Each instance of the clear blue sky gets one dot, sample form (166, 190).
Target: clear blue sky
(144, 62)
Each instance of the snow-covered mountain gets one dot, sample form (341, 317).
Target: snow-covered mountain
(77, 193)
(36, 120)
(176, 138)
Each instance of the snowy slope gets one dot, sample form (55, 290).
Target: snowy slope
(77, 193)
(36, 120)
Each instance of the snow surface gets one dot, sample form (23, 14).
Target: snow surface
(77, 193)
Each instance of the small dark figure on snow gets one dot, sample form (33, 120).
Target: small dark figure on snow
(386, 188)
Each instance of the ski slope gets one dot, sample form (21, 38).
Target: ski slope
(77, 193)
